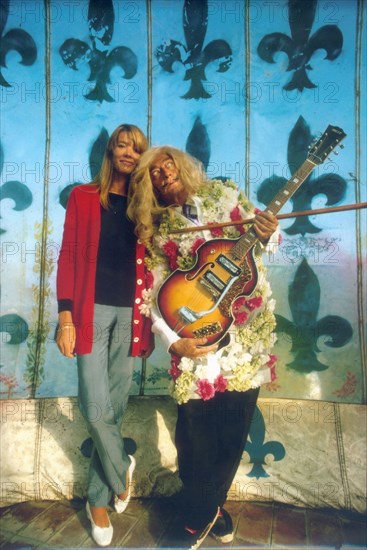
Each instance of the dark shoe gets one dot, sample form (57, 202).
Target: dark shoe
(192, 539)
(222, 529)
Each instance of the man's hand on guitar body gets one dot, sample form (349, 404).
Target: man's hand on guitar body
(192, 347)
(265, 224)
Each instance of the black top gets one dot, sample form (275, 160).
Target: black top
(115, 275)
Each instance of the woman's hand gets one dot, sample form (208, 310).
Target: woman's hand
(192, 347)
(65, 336)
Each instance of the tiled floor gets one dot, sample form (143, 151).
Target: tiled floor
(152, 523)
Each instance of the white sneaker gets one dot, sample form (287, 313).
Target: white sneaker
(101, 535)
(120, 504)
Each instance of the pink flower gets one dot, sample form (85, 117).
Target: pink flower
(240, 318)
(170, 249)
(217, 231)
(272, 360)
(174, 371)
(271, 363)
(196, 245)
(235, 215)
(254, 303)
(149, 279)
(220, 383)
(239, 311)
(205, 389)
(239, 304)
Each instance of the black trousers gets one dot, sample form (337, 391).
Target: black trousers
(210, 439)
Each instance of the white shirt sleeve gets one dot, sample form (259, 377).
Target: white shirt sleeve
(161, 329)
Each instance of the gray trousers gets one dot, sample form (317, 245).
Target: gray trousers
(105, 377)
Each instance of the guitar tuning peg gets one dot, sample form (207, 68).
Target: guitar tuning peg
(336, 153)
(341, 146)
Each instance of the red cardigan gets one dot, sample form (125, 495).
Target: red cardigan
(77, 265)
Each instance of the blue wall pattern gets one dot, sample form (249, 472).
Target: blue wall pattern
(245, 86)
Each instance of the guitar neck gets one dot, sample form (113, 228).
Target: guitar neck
(249, 239)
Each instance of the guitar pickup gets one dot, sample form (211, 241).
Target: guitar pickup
(212, 283)
(207, 330)
(229, 266)
(208, 286)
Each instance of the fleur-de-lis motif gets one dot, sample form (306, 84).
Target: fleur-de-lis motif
(193, 56)
(331, 185)
(95, 161)
(305, 330)
(73, 51)
(14, 190)
(15, 326)
(258, 450)
(15, 39)
(301, 46)
(198, 142)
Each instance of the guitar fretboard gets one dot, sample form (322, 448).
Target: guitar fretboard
(249, 239)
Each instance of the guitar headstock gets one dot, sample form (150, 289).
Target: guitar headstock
(329, 140)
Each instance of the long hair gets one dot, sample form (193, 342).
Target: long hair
(103, 179)
(144, 208)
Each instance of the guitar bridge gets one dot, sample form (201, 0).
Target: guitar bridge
(207, 330)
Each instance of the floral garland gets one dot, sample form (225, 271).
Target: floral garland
(244, 362)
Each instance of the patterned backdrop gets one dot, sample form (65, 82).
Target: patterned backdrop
(245, 86)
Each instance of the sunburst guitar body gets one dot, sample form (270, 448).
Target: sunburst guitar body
(198, 302)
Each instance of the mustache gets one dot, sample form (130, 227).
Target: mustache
(165, 183)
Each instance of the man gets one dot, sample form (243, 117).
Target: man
(98, 275)
(216, 385)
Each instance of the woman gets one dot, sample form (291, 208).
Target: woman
(99, 280)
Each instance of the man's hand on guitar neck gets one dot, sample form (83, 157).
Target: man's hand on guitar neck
(265, 224)
(192, 347)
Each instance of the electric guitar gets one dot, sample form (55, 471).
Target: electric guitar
(197, 303)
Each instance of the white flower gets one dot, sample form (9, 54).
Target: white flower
(158, 277)
(202, 371)
(160, 241)
(147, 295)
(186, 245)
(145, 310)
(257, 347)
(207, 368)
(146, 306)
(186, 364)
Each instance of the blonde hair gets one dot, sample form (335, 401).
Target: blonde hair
(103, 180)
(144, 208)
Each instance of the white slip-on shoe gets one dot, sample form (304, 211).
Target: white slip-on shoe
(120, 504)
(101, 535)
